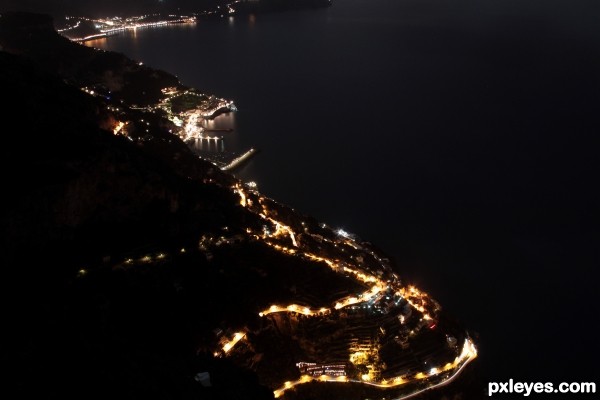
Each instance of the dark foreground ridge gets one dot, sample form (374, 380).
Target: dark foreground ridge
(141, 271)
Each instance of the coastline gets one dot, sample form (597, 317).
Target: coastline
(287, 235)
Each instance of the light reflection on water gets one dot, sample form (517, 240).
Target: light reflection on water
(223, 149)
(97, 43)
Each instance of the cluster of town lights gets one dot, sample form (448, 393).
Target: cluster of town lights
(110, 26)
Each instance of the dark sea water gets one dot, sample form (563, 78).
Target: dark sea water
(459, 136)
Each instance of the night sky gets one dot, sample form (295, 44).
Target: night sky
(105, 7)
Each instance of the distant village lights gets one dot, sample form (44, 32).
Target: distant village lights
(110, 26)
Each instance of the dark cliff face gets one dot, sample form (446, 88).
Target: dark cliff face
(81, 185)
(77, 196)
(75, 193)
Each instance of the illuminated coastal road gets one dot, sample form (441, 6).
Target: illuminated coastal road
(376, 286)
(468, 354)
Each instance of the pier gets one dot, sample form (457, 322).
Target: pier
(239, 161)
